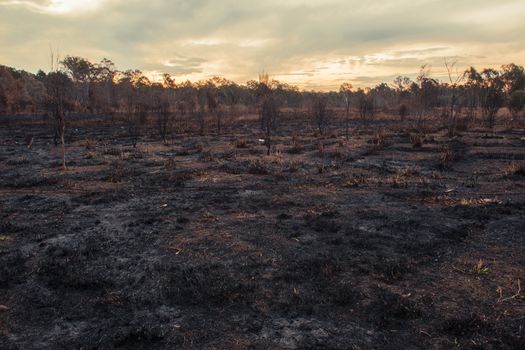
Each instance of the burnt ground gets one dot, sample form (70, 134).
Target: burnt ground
(208, 243)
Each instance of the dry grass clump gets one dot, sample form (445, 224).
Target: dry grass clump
(241, 143)
(417, 140)
(113, 151)
(88, 143)
(117, 171)
(515, 169)
(297, 147)
(169, 163)
(320, 148)
(376, 143)
(257, 167)
(450, 153)
(206, 156)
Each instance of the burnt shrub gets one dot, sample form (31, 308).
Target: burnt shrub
(451, 152)
(257, 167)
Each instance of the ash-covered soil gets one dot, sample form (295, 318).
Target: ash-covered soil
(207, 243)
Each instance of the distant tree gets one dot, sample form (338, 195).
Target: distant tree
(165, 116)
(82, 73)
(402, 89)
(493, 96)
(229, 95)
(365, 103)
(426, 94)
(346, 91)
(383, 96)
(473, 91)
(102, 93)
(454, 79)
(212, 100)
(14, 97)
(134, 97)
(402, 84)
(269, 110)
(189, 101)
(513, 78)
(320, 113)
(402, 112)
(262, 90)
(168, 82)
(79, 69)
(517, 103)
(270, 115)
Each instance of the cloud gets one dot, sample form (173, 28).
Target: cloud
(55, 7)
(305, 42)
(182, 65)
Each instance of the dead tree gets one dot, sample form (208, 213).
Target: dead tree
(493, 97)
(346, 91)
(58, 87)
(136, 119)
(180, 114)
(263, 92)
(320, 114)
(365, 103)
(402, 112)
(165, 121)
(269, 118)
(213, 106)
(452, 118)
(201, 114)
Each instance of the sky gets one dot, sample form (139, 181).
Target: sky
(314, 44)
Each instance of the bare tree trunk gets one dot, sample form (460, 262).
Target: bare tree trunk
(219, 116)
(347, 122)
(61, 131)
(268, 139)
(63, 146)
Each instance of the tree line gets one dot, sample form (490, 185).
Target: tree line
(100, 88)
(77, 85)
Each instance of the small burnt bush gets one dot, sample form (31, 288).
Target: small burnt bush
(241, 143)
(257, 167)
(451, 152)
(417, 140)
(206, 156)
(117, 171)
(297, 147)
